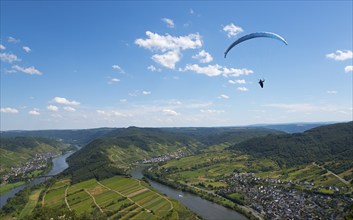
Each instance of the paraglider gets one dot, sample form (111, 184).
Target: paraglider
(255, 35)
(252, 36)
(261, 82)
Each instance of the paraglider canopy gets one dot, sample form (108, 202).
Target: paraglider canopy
(255, 35)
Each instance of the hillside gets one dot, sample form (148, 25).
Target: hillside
(330, 143)
(14, 151)
(115, 151)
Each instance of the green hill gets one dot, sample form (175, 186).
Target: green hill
(17, 150)
(330, 143)
(116, 151)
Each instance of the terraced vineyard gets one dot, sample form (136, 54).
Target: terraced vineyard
(117, 197)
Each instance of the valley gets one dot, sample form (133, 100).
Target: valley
(234, 167)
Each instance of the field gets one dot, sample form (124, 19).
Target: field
(117, 197)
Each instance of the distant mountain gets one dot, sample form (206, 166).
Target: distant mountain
(321, 144)
(80, 136)
(293, 127)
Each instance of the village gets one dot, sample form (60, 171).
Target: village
(276, 199)
(165, 157)
(38, 162)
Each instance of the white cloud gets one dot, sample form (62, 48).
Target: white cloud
(26, 49)
(112, 113)
(53, 108)
(232, 30)
(296, 107)
(34, 112)
(341, 55)
(146, 92)
(216, 70)
(64, 101)
(332, 92)
(169, 22)
(117, 67)
(170, 112)
(168, 59)
(69, 109)
(156, 42)
(203, 57)
(8, 57)
(242, 89)
(113, 80)
(29, 70)
(153, 69)
(2, 47)
(9, 110)
(223, 96)
(211, 111)
(191, 11)
(239, 81)
(348, 69)
(12, 40)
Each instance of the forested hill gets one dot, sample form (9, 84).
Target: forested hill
(322, 144)
(80, 137)
(116, 150)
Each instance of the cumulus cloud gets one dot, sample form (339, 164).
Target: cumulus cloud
(26, 49)
(69, 109)
(223, 96)
(169, 46)
(12, 40)
(239, 81)
(168, 59)
(52, 108)
(170, 112)
(216, 70)
(146, 92)
(332, 92)
(341, 55)
(2, 47)
(29, 70)
(203, 57)
(64, 101)
(169, 22)
(34, 112)
(153, 69)
(8, 57)
(232, 30)
(9, 110)
(242, 89)
(348, 69)
(117, 67)
(156, 42)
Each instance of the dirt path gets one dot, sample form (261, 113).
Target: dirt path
(330, 172)
(67, 204)
(94, 200)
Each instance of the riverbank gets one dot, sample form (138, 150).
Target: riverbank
(58, 165)
(205, 206)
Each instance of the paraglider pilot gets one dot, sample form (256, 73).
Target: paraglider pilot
(261, 82)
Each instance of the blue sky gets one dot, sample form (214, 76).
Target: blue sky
(70, 65)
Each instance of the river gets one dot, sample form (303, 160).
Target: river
(59, 165)
(203, 207)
